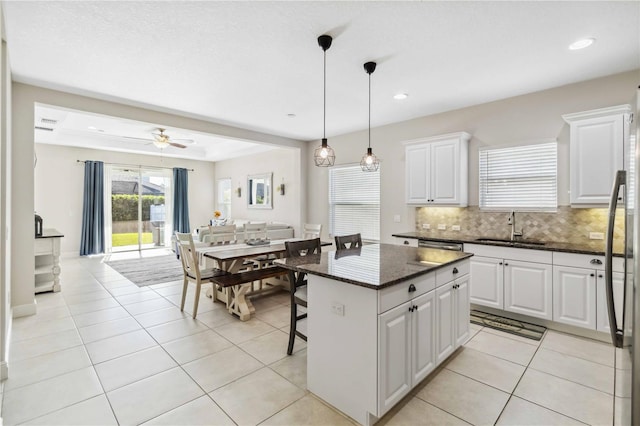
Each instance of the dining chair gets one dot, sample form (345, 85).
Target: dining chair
(348, 241)
(224, 234)
(191, 269)
(311, 230)
(255, 231)
(298, 285)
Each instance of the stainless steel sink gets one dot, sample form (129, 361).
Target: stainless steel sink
(511, 242)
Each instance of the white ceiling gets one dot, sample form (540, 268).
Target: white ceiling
(86, 130)
(250, 63)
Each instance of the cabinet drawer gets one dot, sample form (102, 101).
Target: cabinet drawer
(451, 272)
(525, 255)
(586, 261)
(409, 242)
(399, 293)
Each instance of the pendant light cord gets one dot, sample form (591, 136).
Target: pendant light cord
(324, 98)
(369, 110)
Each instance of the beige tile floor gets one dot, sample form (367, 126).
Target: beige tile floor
(104, 351)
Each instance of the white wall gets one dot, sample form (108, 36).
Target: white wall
(5, 209)
(22, 201)
(285, 165)
(507, 122)
(59, 186)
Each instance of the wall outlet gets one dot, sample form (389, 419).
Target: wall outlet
(396, 218)
(596, 235)
(442, 226)
(455, 227)
(426, 226)
(337, 309)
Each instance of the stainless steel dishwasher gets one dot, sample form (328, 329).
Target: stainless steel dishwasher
(440, 245)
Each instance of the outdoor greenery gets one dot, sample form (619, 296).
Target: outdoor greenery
(125, 206)
(130, 239)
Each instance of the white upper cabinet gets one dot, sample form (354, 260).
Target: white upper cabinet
(437, 170)
(597, 145)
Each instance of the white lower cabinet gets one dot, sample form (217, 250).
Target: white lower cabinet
(487, 285)
(528, 288)
(511, 279)
(452, 310)
(579, 294)
(406, 348)
(418, 334)
(574, 296)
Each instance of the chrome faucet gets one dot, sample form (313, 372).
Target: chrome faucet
(512, 222)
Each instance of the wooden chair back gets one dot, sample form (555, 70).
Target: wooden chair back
(348, 241)
(302, 247)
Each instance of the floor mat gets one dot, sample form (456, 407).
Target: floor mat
(508, 325)
(149, 270)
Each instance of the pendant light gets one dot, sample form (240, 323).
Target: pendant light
(324, 155)
(369, 162)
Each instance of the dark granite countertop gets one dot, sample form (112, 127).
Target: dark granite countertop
(374, 266)
(51, 233)
(594, 247)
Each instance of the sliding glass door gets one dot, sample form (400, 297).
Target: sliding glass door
(138, 203)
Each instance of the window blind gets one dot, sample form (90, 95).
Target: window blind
(522, 177)
(354, 202)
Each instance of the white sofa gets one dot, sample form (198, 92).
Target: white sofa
(275, 230)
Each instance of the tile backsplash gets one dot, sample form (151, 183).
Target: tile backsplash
(565, 225)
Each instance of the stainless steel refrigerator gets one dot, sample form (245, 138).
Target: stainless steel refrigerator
(625, 327)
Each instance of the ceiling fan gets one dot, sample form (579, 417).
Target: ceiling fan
(162, 140)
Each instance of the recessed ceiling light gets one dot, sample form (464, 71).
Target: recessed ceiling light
(290, 115)
(400, 96)
(581, 44)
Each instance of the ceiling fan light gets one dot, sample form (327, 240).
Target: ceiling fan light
(161, 143)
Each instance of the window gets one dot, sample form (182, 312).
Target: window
(521, 177)
(224, 197)
(354, 202)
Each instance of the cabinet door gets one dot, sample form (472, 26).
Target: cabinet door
(445, 172)
(394, 367)
(423, 359)
(461, 323)
(574, 296)
(445, 307)
(596, 152)
(486, 282)
(602, 310)
(527, 288)
(417, 174)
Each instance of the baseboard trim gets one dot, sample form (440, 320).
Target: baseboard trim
(23, 310)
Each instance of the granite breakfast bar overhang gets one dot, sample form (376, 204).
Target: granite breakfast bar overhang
(380, 319)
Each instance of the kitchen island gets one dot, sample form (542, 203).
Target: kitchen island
(380, 319)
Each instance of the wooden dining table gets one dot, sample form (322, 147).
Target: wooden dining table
(232, 258)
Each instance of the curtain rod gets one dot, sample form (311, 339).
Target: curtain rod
(135, 165)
